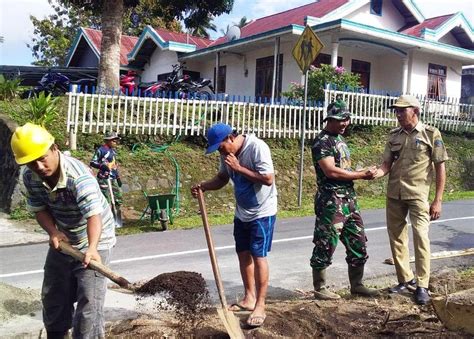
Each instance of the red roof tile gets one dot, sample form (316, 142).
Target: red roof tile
(126, 43)
(431, 23)
(183, 38)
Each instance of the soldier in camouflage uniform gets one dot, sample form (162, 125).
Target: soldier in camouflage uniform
(336, 208)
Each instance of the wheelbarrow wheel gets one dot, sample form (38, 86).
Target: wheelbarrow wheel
(164, 220)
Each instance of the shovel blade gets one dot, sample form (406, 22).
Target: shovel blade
(231, 324)
(118, 219)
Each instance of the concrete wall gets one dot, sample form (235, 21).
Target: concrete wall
(390, 18)
(418, 73)
(9, 170)
(160, 62)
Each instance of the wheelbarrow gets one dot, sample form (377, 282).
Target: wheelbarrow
(160, 207)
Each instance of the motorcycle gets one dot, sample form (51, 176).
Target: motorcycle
(182, 86)
(127, 83)
(57, 84)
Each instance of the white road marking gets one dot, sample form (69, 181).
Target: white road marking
(175, 254)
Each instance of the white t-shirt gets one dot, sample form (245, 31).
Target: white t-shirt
(254, 201)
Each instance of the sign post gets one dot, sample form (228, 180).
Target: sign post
(305, 52)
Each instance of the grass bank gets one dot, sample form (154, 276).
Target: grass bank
(152, 169)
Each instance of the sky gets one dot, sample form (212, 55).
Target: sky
(17, 30)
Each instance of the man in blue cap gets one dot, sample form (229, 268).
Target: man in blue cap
(247, 161)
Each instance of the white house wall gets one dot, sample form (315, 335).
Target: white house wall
(390, 19)
(160, 62)
(418, 74)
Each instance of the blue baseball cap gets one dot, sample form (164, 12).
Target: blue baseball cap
(216, 135)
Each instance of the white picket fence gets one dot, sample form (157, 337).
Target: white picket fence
(99, 113)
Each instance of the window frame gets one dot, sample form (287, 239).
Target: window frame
(437, 77)
(374, 3)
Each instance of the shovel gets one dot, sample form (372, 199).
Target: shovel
(96, 266)
(117, 214)
(231, 323)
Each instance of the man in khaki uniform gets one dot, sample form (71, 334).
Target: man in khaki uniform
(413, 152)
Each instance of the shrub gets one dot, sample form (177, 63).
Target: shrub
(318, 78)
(42, 109)
(8, 88)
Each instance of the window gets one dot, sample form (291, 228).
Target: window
(220, 79)
(363, 69)
(436, 81)
(264, 77)
(376, 7)
(326, 60)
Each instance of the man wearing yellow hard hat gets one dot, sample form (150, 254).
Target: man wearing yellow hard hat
(68, 205)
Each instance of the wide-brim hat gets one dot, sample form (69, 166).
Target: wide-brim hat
(406, 101)
(216, 135)
(111, 136)
(337, 110)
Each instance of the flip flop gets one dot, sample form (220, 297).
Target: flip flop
(239, 308)
(256, 320)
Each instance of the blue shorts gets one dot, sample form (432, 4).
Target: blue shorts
(254, 236)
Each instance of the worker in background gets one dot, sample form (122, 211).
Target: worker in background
(105, 160)
(66, 201)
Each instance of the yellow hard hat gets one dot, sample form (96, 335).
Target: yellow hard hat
(30, 142)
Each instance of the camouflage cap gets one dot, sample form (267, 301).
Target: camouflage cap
(337, 110)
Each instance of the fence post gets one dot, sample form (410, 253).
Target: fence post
(73, 129)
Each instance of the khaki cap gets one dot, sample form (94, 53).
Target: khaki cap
(406, 101)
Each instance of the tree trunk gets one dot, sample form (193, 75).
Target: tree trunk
(109, 66)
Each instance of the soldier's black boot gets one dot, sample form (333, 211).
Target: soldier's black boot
(357, 287)
(319, 283)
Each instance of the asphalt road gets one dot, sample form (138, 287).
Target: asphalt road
(142, 257)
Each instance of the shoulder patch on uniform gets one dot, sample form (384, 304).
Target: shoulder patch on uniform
(438, 143)
(395, 130)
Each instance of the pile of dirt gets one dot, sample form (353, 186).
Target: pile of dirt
(16, 301)
(387, 315)
(182, 293)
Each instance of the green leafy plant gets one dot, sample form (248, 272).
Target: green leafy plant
(8, 88)
(42, 109)
(318, 78)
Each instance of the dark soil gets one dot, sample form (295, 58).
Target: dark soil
(184, 290)
(386, 316)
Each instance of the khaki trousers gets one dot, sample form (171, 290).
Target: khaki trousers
(418, 210)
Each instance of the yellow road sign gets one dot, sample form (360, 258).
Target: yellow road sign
(307, 49)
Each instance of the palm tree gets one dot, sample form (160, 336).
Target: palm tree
(242, 22)
(202, 29)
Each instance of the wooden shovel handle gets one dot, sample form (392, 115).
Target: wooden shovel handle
(95, 265)
(212, 252)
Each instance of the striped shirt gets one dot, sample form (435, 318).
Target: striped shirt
(75, 198)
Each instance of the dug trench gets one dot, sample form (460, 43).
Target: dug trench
(177, 304)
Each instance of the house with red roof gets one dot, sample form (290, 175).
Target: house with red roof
(85, 49)
(388, 43)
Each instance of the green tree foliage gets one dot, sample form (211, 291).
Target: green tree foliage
(318, 78)
(53, 35)
(203, 29)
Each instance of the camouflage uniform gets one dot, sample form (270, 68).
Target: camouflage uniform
(336, 208)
